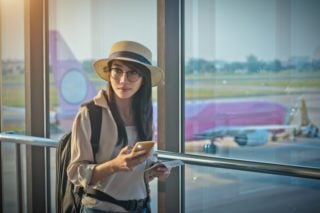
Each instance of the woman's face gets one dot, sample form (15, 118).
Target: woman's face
(125, 81)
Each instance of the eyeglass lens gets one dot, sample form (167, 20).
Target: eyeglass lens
(131, 75)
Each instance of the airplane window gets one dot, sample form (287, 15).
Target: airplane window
(252, 76)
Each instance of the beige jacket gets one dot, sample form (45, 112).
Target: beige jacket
(80, 170)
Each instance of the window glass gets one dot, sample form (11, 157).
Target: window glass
(12, 66)
(252, 80)
(224, 190)
(80, 32)
(12, 94)
(80, 35)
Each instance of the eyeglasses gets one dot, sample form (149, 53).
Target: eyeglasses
(132, 75)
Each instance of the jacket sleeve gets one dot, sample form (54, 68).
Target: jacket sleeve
(81, 160)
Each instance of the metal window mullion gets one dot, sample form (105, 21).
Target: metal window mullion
(1, 189)
(169, 100)
(182, 101)
(19, 178)
(36, 101)
(46, 106)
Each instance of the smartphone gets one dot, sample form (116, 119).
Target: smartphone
(143, 145)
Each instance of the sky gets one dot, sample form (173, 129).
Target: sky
(232, 30)
(215, 30)
(11, 29)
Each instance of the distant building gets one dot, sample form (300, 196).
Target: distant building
(11, 67)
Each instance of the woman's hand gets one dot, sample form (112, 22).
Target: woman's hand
(127, 160)
(158, 171)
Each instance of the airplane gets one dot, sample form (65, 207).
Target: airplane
(260, 134)
(72, 84)
(250, 122)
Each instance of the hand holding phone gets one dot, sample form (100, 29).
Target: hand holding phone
(143, 145)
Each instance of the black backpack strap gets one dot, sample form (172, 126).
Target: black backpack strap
(95, 114)
(130, 205)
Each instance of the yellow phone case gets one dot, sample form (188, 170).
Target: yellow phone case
(143, 145)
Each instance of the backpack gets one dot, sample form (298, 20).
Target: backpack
(68, 197)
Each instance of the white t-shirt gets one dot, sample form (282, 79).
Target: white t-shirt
(124, 185)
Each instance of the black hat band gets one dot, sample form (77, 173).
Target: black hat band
(132, 55)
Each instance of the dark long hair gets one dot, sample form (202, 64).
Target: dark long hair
(141, 106)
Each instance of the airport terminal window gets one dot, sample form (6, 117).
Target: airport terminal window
(223, 190)
(73, 47)
(12, 93)
(252, 76)
(12, 66)
(81, 34)
(252, 79)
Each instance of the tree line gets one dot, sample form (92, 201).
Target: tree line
(251, 65)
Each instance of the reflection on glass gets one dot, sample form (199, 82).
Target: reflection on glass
(77, 37)
(12, 96)
(222, 190)
(72, 52)
(12, 67)
(252, 71)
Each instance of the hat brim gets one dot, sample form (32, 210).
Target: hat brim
(157, 73)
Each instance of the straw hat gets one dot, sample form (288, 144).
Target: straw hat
(130, 51)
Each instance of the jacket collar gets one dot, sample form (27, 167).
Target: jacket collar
(100, 100)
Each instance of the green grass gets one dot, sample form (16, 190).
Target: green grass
(212, 87)
(262, 74)
(206, 93)
(15, 97)
(296, 83)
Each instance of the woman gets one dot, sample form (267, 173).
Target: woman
(126, 118)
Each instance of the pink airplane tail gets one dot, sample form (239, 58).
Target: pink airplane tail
(72, 84)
